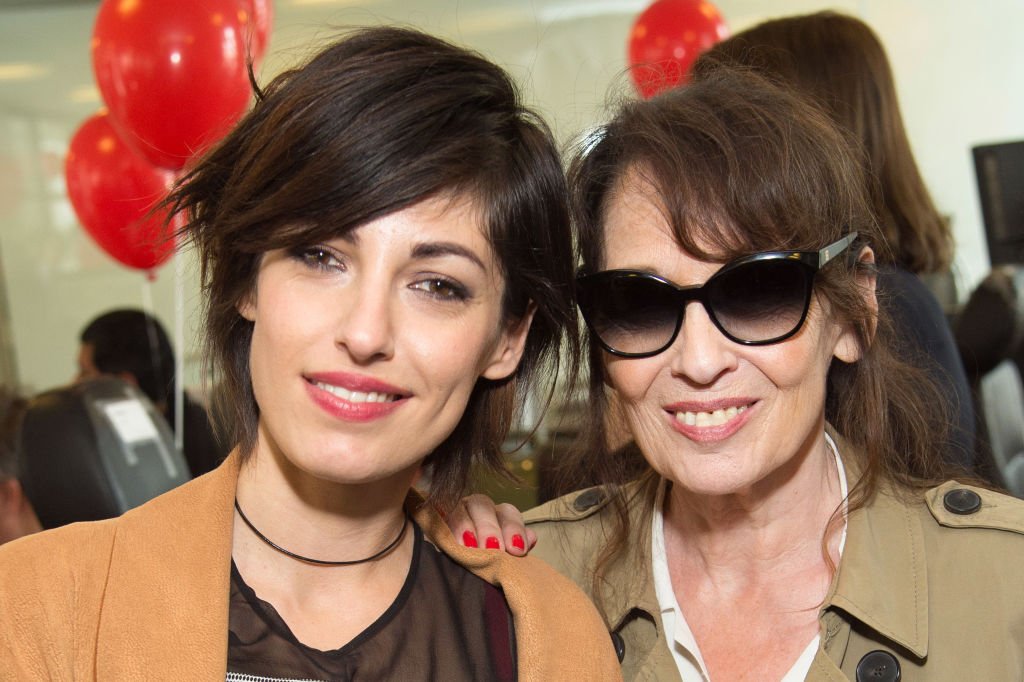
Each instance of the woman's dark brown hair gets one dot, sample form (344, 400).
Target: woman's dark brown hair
(378, 121)
(840, 63)
(740, 166)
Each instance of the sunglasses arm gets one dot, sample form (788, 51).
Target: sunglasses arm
(834, 249)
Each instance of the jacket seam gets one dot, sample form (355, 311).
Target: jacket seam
(102, 599)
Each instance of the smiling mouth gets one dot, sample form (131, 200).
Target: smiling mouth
(356, 396)
(713, 418)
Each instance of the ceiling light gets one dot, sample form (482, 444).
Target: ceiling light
(21, 71)
(336, 3)
(85, 94)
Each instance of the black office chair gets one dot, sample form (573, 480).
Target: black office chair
(94, 450)
(990, 335)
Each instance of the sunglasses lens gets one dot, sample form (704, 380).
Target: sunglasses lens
(630, 314)
(761, 300)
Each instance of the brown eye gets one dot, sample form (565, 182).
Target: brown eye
(442, 289)
(319, 257)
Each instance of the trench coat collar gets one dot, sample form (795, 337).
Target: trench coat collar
(882, 579)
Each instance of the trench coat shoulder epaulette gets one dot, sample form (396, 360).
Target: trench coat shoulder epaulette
(575, 506)
(956, 505)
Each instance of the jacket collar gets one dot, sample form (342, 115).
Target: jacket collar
(170, 567)
(541, 600)
(882, 579)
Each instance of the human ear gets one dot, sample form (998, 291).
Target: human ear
(848, 346)
(128, 378)
(509, 349)
(247, 306)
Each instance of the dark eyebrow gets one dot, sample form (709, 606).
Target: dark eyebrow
(438, 249)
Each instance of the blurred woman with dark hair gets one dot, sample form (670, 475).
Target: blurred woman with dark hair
(387, 265)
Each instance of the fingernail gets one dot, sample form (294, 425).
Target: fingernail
(469, 539)
(517, 542)
(492, 543)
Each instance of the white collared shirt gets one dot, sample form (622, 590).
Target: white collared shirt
(680, 638)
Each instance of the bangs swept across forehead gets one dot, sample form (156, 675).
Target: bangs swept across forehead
(739, 166)
(342, 153)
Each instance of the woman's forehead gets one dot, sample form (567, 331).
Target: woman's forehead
(711, 227)
(636, 218)
(444, 208)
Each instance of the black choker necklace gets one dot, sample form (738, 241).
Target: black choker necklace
(320, 562)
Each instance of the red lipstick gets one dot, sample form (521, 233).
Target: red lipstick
(341, 406)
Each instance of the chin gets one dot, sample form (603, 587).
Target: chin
(713, 481)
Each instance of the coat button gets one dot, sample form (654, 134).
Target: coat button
(587, 499)
(962, 501)
(878, 666)
(620, 646)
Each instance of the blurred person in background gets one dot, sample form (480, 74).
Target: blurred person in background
(132, 345)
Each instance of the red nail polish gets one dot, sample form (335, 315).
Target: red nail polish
(517, 542)
(492, 543)
(469, 539)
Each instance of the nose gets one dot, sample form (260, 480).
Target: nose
(701, 353)
(365, 329)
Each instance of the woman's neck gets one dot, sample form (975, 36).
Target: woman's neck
(325, 606)
(780, 520)
(314, 517)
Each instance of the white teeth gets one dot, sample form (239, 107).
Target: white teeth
(704, 419)
(355, 396)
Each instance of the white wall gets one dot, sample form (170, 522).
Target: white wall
(960, 74)
(958, 66)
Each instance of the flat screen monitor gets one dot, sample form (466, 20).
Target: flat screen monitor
(1000, 171)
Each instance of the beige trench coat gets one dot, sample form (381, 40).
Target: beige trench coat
(145, 596)
(940, 592)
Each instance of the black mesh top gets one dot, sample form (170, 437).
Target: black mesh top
(446, 624)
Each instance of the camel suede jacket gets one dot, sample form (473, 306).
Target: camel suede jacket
(145, 596)
(929, 588)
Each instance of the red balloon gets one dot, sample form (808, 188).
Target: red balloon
(173, 73)
(113, 190)
(260, 20)
(666, 39)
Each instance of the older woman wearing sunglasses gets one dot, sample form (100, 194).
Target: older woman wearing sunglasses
(791, 521)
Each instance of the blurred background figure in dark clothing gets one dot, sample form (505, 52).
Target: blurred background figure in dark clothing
(132, 345)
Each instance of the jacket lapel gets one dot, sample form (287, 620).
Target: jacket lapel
(165, 607)
(558, 634)
(883, 578)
